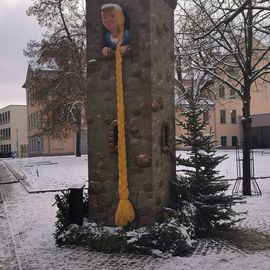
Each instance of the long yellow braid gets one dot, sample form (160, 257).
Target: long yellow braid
(125, 212)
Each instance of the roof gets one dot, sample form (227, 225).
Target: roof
(49, 65)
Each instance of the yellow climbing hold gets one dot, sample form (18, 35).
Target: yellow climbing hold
(125, 212)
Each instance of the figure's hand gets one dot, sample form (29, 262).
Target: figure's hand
(106, 51)
(124, 49)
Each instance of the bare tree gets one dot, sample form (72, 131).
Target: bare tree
(62, 95)
(229, 41)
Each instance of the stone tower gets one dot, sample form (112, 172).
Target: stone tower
(148, 79)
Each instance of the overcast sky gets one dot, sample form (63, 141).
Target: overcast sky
(16, 29)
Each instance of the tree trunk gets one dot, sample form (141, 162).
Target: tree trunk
(246, 160)
(246, 120)
(78, 140)
(246, 125)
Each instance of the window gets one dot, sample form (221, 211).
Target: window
(103, 34)
(233, 116)
(221, 92)
(30, 144)
(38, 119)
(223, 140)
(28, 123)
(4, 148)
(165, 137)
(6, 117)
(31, 121)
(234, 140)
(254, 141)
(34, 120)
(232, 93)
(222, 116)
(206, 116)
(41, 143)
(8, 133)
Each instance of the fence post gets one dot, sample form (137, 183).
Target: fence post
(76, 204)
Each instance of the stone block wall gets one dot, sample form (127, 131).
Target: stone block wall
(148, 78)
(162, 98)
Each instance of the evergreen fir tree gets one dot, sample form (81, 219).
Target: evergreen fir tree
(200, 182)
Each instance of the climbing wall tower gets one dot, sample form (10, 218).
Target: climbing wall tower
(148, 85)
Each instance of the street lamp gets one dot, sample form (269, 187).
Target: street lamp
(17, 139)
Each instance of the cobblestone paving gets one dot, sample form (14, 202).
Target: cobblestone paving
(210, 246)
(8, 259)
(91, 260)
(259, 219)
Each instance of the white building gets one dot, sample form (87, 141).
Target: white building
(13, 130)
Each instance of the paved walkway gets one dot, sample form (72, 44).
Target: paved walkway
(8, 257)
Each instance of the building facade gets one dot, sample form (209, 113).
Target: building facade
(41, 141)
(225, 117)
(13, 131)
(226, 113)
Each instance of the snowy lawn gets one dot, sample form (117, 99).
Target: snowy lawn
(228, 167)
(50, 173)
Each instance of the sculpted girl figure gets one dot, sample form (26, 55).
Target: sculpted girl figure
(113, 20)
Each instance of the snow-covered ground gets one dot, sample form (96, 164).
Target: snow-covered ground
(55, 173)
(228, 167)
(50, 173)
(31, 219)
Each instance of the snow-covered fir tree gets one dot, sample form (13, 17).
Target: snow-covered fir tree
(199, 181)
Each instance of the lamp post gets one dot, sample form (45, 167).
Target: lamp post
(39, 150)
(17, 140)
(1, 144)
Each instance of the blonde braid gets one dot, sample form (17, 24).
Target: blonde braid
(125, 212)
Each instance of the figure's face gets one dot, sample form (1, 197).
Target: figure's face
(109, 21)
